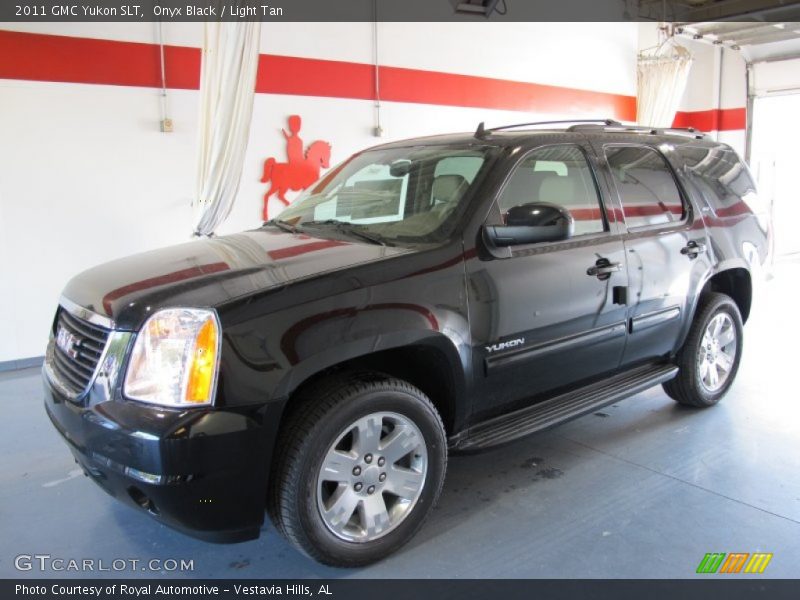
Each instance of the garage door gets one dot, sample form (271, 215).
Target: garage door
(775, 153)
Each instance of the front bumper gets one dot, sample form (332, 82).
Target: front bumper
(205, 471)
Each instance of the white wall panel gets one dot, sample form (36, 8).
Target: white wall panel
(85, 175)
(87, 178)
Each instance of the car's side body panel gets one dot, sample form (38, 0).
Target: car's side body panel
(505, 328)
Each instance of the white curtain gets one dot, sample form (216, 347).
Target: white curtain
(662, 75)
(227, 89)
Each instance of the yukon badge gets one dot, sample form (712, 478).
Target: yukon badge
(505, 345)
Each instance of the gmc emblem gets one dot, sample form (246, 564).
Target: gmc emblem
(68, 342)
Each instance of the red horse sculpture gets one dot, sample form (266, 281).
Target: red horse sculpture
(294, 176)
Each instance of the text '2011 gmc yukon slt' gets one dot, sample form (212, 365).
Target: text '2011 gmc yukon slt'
(446, 293)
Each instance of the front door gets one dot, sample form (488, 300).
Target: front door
(544, 316)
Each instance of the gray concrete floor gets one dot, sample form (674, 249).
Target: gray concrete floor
(642, 489)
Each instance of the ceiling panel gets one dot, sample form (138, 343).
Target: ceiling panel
(740, 35)
(719, 10)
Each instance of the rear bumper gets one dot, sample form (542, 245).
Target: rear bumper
(202, 472)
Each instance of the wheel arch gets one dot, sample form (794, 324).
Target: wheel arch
(432, 364)
(735, 282)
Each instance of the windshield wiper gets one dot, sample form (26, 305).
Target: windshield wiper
(346, 228)
(282, 225)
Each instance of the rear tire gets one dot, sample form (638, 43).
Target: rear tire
(360, 464)
(709, 359)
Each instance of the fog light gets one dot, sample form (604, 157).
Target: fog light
(142, 476)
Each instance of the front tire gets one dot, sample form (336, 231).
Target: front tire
(709, 359)
(360, 464)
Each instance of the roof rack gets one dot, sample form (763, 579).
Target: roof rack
(482, 132)
(687, 131)
(604, 124)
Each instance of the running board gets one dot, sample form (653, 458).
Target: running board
(565, 407)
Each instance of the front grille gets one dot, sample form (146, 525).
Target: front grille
(76, 365)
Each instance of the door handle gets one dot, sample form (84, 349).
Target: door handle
(693, 249)
(603, 269)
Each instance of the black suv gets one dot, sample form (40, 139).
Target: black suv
(446, 293)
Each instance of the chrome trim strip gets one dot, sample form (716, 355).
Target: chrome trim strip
(109, 367)
(85, 313)
(592, 336)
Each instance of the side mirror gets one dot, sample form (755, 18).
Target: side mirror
(532, 223)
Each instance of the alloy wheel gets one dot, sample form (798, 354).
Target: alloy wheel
(372, 477)
(717, 352)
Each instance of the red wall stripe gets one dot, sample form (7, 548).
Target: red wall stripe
(314, 77)
(37, 57)
(725, 119)
(427, 87)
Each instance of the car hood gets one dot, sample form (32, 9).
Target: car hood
(208, 272)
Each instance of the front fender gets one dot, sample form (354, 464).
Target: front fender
(267, 358)
(457, 360)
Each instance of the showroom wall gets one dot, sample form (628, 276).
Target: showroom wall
(94, 179)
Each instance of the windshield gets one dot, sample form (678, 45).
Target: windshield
(411, 194)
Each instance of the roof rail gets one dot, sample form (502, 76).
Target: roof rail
(605, 124)
(482, 132)
(687, 131)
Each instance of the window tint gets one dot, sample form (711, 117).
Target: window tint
(560, 175)
(645, 185)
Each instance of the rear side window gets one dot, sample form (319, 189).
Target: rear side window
(723, 179)
(645, 185)
(559, 175)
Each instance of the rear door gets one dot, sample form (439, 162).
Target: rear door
(540, 321)
(665, 246)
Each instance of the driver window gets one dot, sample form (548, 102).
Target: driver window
(558, 175)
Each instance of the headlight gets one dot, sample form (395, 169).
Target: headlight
(174, 359)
